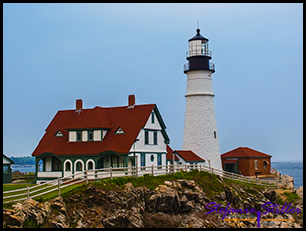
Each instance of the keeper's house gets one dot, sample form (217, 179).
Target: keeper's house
(86, 139)
(246, 161)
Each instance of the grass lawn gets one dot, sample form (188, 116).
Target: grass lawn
(42, 198)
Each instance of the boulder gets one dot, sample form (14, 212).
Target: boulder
(187, 183)
(270, 195)
(167, 199)
(289, 181)
(186, 205)
(59, 221)
(299, 191)
(124, 219)
(29, 207)
(13, 218)
(59, 205)
(232, 196)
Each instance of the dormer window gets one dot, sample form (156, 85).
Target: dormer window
(85, 135)
(59, 134)
(97, 136)
(79, 136)
(90, 135)
(119, 131)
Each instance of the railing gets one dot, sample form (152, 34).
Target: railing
(198, 52)
(97, 174)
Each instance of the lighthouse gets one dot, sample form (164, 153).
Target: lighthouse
(200, 129)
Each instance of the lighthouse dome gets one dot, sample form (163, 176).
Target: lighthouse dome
(198, 36)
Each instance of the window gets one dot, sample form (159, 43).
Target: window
(114, 161)
(56, 164)
(90, 165)
(5, 169)
(90, 135)
(215, 134)
(68, 166)
(72, 136)
(146, 137)
(117, 162)
(121, 162)
(97, 135)
(152, 117)
(142, 159)
(59, 134)
(79, 135)
(152, 158)
(79, 166)
(256, 164)
(119, 131)
(151, 137)
(265, 164)
(159, 159)
(155, 137)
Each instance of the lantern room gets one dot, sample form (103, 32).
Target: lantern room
(198, 55)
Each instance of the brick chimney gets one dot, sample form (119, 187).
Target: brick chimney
(131, 101)
(79, 104)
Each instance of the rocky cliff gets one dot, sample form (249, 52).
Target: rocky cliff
(172, 203)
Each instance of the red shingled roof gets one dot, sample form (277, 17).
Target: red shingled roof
(188, 155)
(131, 120)
(169, 154)
(244, 152)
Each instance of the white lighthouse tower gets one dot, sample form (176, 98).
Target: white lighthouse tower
(200, 129)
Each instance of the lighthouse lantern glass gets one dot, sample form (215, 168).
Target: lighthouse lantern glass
(198, 47)
(204, 48)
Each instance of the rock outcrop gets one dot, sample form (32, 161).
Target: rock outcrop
(288, 180)
(176, 203)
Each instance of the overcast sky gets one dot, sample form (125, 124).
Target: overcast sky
(54, 54)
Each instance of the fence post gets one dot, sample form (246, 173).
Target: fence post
(110, 172)
(133, 175)
(200, 166)
(59, 186)
(173, 163)
(152, 169)
(136, 170)
(212, 170)
(28, 192)
(86, 175)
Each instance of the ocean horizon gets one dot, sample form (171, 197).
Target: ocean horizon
(291, 168)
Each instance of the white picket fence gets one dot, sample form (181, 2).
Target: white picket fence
(98, 174)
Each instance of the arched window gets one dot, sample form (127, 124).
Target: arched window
(78, 166)
(90, 165)
(68, 166)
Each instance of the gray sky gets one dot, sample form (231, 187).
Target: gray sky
(54, 54)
